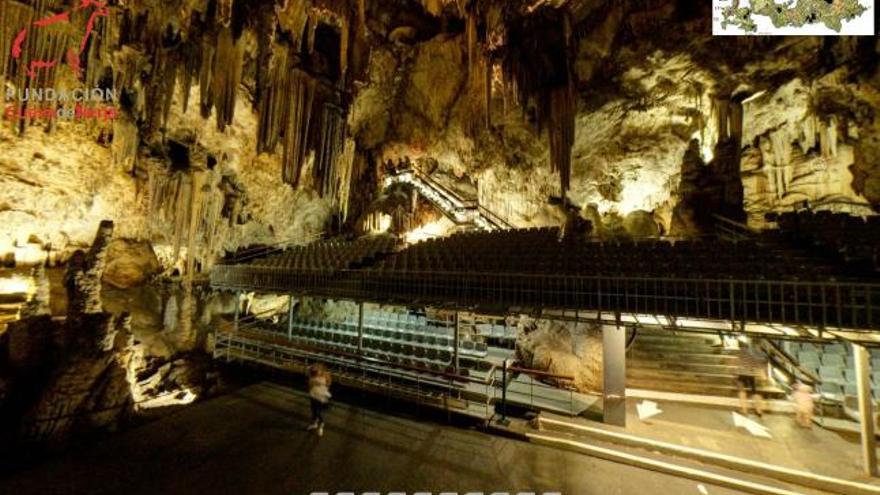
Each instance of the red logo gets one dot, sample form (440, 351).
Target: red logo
(73, 55)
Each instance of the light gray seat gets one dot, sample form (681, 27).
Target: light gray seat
(833, 360)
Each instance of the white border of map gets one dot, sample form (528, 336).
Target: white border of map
(860, 26)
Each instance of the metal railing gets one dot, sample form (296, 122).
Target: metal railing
(463, 209)
(445, 390)
(499, 389)
(260, 251)
(826, 305)
(787, 364)
(732, 230)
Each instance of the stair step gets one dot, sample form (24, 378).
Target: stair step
(671, 337)
(679, 357)
(683, 347)
(700, 388)
(718, 368)
(681, 376)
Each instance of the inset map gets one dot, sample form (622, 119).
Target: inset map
(793, 17)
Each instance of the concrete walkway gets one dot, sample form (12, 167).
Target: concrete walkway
(818, 450)
(252, 441)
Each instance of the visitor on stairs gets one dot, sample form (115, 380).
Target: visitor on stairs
(803, 398)
(319, 393)
(752, 371)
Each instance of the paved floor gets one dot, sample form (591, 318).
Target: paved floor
(252, 441)
(817, 450)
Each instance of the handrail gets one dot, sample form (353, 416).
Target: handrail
(257, 252)
(545, 374)
(734, 223)
(455, 197)
(829, 304)
(556, 276)
(788, 362)
(358, 357)
(840, 201)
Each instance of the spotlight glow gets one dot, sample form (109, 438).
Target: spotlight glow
(17, 284)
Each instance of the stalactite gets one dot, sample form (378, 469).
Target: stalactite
(227, 77)
(342, 175)
(274, 101)
(808, 134)
(782, 149)
(362, 16)
(343, 51)
(722, 115)
(206, 75)
(736, 121)
(471, 42)
(328, 147)
(487, 92)
(433, 7)
(197, 180)
(5, 41)
(301, 89)
(832, 137)
(562, 117)
(224, 12)
(125, 142)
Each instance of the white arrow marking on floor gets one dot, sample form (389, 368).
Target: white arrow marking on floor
(753, 427)
(702, 489)
(647, 409)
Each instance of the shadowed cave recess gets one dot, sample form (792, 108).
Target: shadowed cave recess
(234, 128)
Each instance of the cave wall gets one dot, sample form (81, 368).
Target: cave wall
(663, 118)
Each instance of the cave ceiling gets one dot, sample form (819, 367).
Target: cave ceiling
(233, 110)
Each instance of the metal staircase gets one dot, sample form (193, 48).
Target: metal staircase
(462, 211)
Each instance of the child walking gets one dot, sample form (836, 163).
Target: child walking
(319, 393)
(803, 404)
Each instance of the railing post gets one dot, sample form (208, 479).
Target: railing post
(866, 413)
(457, 333)
(503, 419)
(237, 309)
(614, 374)
(290, 317)
(360, 329)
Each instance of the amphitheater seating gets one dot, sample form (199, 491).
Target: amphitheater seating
(329, 255)
(539, 251)
(851, 239)
(399, 338)
(834, 365)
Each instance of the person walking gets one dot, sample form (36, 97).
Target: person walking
(319, 395)
(752, 371)
(802, 396)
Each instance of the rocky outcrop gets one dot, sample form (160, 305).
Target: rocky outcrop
(130, 263)
(85, 272)
(562, 349)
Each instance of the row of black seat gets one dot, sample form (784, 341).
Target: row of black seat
(854, 240)
(329, 255)
(540, 251)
